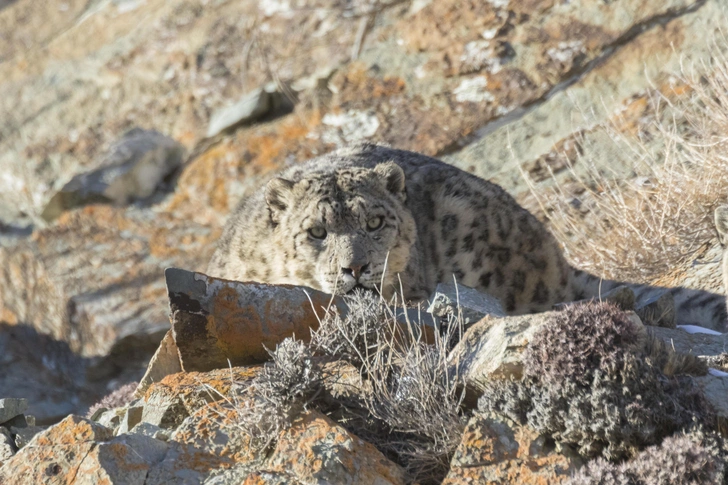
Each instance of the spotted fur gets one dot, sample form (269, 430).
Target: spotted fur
(438, 222)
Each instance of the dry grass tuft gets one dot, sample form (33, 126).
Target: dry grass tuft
(638, 229)
(286, 386)
(414, 400)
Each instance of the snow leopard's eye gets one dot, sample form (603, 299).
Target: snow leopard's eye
(374, 223)
(317, 232)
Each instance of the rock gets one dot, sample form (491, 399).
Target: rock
(125, 459)
(45, 372)
(624, 70)
(715, 388)
(7, 445)
(23, 436)
(218, 323)
(94, 280)
(417, 322)
(702, 344)
(165, 361)
(111, 418)
(79, 451)
(56, 452)
(90, 286)
(151, 430)
(132, 170)
(347, 459)
(493, 451)
(493, 348)
(163, 411)
(18, 421)
(456, 299)
(96, 415)
(132, 417)
(210, 441)
(169, 402)
(251, 107)
(12, 407)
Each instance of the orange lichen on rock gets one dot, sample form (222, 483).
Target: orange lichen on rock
(496, 452)
(73, 430)
(317, 449)
(212, 437)
(214, 385)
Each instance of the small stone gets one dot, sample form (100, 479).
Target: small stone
(715, 389)
(111, 418)
(11, 407)
(164, 362)
(708, 344)
(7, 446)
(133, 169)
(249, 108)
(24, 435)
(151, 430)
(457, 301)
(493, 348)
(98, 413)
(164, 411)
(17, 422)
(131, 418)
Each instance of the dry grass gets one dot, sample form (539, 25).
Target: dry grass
(637, 229)
(409, 405)
(414, 399)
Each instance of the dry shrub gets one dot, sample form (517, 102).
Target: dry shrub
(409, 407)
(588, 382)
(285, 387)
(684, 459)
(117, 398)
(677, 164)
(413, 399)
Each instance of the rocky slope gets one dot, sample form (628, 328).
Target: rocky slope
(229, 91)
(540, 398)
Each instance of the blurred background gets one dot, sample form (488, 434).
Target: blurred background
(130, 128)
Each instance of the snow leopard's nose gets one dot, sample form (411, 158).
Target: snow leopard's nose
(355, 270)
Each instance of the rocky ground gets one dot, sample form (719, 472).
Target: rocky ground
(132, 127)
(484, 408)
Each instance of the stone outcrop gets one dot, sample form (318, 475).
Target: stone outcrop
(135, 167)
(494, 451)
(217, 322)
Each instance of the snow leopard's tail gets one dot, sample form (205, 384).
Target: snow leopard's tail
(691, 307)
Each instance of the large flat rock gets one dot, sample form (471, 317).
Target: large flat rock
(216, 322)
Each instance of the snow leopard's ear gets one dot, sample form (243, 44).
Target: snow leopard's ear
(393, 177)
(278, 194)
(721, 223)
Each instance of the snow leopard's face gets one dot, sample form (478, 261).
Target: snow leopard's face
(343, 230)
